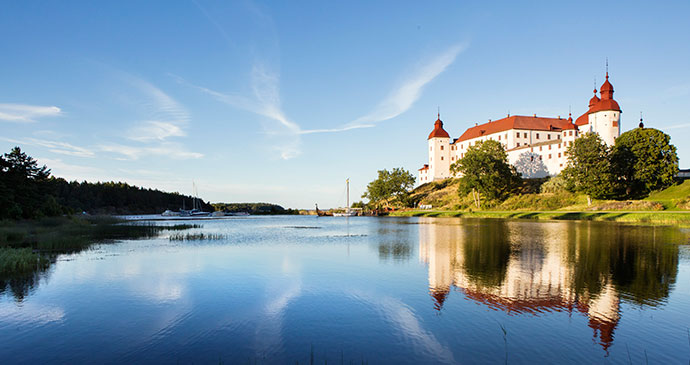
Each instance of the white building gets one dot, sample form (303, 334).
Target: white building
(536, 146)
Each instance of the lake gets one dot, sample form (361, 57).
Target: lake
(288, 289)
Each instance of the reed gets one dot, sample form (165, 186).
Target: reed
(197, 237)
(20, 260)
(24, 245)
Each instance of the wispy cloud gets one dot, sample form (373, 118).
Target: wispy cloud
(167, 117)
(403, 97)
(170, 150)
(23, 113)
(266, 102)
(152, 130)
(59, 147)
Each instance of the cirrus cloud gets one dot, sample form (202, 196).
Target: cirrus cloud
(24, 113)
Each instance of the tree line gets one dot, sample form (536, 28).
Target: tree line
(28, 191)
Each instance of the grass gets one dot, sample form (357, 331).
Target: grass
(26, 245)
(676, 197)
(20, 260)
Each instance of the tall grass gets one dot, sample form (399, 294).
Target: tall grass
(24, 244)
(20, 260)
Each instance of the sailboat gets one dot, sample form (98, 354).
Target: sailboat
(348, 212)
(196, 206)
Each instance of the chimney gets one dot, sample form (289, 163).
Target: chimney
(535, 115)
(476, 124)
(489, 120)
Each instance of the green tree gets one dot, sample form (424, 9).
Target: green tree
(485, 171)
(644, 160)
(23, 186)
(394, 184)
(19, 164)
(589, 169)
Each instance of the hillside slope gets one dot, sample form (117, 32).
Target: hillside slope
(444, 195)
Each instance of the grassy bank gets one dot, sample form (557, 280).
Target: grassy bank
(26, 246)
(661, 218)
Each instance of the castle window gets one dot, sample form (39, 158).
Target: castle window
(548, 136)
(518, 145)
(571, 133)
(499, 137)
(537, 135)
(517, 135)
(549, 156)
(539, 148)
(549, 146)
(559, 155)
(561, 165)
(429, 148)
(441, 158)
(441, 148)
(525, 135)
(506, 135)
(559, 145)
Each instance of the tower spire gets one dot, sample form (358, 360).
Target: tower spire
(607, 68)
(641, 125)
(438, 114)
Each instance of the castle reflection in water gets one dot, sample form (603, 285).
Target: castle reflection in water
(527, 268)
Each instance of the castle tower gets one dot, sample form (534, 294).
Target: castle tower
(439, 152)
(604, 115)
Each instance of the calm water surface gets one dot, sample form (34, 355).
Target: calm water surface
(382, 290)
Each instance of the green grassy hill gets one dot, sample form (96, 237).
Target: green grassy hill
(444, 195)
(676, 197)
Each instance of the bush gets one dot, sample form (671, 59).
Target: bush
(556, 184)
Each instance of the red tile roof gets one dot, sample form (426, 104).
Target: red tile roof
(425, 167)
(517, 122)
(438, 131)
(596, 105)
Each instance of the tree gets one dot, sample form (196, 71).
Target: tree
(19, 164)
(393, 184)
(644, 160)
(485, 170)
(589, 170)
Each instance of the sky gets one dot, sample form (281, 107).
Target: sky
(281, 102)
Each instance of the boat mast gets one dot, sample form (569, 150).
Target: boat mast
(348, 194)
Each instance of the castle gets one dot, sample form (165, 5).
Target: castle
(536, 146)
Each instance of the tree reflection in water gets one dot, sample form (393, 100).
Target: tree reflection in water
(535, 267)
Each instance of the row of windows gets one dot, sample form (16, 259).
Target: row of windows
(517, 134)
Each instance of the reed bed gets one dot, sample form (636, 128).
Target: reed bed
(197, 237)
(25, 245)
(20, 260)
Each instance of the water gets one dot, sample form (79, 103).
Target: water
(379, 290)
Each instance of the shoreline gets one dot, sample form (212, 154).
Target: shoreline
(677, 218)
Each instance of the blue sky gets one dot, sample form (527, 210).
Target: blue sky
(282, 101)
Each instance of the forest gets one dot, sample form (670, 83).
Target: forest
(29, 191)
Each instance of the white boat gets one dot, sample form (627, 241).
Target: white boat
(348, 212)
